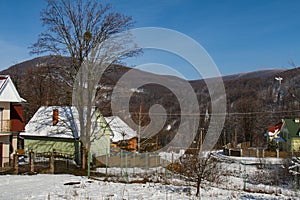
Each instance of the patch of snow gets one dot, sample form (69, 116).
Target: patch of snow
(247, 160)
(171, 156)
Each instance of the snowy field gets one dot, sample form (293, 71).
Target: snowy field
(54, 187)
(161, 185)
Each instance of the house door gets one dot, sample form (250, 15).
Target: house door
(1, 154)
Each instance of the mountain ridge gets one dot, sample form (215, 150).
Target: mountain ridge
(49, 60)
(254, 92)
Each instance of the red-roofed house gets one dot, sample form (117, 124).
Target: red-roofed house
(274, 131)
(11, 119)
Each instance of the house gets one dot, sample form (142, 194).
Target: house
(274, 131)
(11, 119)
(57, 128)
(290, 131)
(123, 137)
(287, 133)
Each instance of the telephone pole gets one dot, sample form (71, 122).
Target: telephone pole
(139, 135)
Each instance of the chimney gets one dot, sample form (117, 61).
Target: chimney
(55, 116)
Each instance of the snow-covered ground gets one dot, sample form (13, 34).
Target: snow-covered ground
(164, 185)
(54, 187)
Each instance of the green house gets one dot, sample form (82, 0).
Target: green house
(290, 131)
(57, 128)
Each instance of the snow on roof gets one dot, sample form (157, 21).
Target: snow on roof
(8, 91)
(121, 131)
(274, 131)
(41, 124)
(2, 81)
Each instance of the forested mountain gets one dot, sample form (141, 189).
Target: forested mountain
(255, 100)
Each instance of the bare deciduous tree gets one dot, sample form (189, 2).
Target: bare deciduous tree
(247, 106)
(199, 168)
(86, 84)
(74, 28)
(88, 32)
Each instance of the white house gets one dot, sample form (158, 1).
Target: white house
(11, 119)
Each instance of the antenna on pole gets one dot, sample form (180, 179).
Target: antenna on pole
(206, 115)
(279, 90)
(279, 79)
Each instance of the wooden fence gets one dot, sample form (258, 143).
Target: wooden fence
(46, 162)
(258, 153)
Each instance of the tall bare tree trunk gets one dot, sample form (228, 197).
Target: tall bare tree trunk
(84, 157)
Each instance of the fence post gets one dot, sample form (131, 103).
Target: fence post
(31, 161)
(245, 176)
(51, 161)
(16, 163)
(147, 162)
(156, 165)
(166, 168)
(106, 162)
(172, 164)
(126, 164)
(121, 163)
(133, 170)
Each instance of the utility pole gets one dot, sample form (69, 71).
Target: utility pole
(277, 150)
(224, 137)
(139, 135)
(200, 139)
(235, 137)
(245, 175)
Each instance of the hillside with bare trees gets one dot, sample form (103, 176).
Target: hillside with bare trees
(255, 100)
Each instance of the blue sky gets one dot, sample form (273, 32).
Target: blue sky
(240, 35)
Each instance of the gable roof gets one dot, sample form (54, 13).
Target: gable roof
(121, 131)
(8, 91)
(67, 126)
(41, 124)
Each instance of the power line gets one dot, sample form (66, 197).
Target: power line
(218, 114)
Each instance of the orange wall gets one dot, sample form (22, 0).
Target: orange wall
(131, 142)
